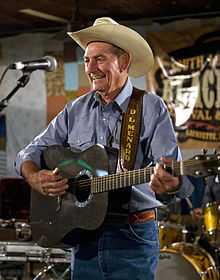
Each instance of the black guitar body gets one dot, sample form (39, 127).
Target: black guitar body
(53, 222)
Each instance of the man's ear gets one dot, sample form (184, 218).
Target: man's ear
(125, 61)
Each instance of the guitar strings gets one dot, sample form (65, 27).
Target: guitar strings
(100, 182)
(116, 177)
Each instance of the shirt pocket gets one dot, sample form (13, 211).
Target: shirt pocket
(81, 140)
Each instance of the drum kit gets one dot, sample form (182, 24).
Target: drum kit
(20, 257)
(190, 255)
(184, 253)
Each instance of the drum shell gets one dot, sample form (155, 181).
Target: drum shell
(211, 225)
(170, 233)
(211, 217)
(184, 261)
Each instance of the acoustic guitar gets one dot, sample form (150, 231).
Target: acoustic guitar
(84, 206)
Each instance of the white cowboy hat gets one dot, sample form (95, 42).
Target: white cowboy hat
(107, 30)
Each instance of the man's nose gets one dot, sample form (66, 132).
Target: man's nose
(91, 66)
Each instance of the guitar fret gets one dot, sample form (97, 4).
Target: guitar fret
(120, 180)
(117, 181)
(181, 172)
(105, 184)
(113, 183)
(129, 179)
(100, 185)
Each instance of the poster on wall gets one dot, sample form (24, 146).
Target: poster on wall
(66, 83)
(189, 82)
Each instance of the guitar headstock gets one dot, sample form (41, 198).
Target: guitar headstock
(202, 165)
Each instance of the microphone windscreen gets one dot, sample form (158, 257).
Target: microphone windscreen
(52, 63)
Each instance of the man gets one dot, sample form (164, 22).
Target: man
(208, 198)
(121, 249)
(208, 216)
(212, 190)
(210, 208)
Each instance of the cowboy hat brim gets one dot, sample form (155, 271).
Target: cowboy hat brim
(142, 60)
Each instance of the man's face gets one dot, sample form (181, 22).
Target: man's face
(106, 71)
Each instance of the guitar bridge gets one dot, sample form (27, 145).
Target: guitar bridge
(59, 203)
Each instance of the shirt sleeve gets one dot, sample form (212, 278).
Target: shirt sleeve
(209, 191)
(163, 141)
(54, 134)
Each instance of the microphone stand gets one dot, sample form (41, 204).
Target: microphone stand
(20, 83)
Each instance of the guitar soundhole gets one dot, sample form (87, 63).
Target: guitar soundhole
(80, 187)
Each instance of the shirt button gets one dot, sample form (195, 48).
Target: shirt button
(101, 137)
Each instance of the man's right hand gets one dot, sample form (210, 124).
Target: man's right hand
(47, 182)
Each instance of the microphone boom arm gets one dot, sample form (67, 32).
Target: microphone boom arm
(20, 83)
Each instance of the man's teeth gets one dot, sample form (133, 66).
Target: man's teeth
(96, 77)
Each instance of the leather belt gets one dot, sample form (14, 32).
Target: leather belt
(142, 217)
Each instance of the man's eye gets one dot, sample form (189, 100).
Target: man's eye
(100, 58)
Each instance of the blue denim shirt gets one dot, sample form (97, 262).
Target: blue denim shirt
(86, 121)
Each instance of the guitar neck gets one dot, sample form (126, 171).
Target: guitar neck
(129, 178)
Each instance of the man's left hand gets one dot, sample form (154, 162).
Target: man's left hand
(162, 181)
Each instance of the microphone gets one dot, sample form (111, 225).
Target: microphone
(47, 63)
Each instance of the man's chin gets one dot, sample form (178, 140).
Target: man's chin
(98, 87)
(100, 91)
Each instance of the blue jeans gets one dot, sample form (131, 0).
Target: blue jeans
(122, 252)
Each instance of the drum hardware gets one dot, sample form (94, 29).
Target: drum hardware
(7, 223)
(37, 261)
(51, 268)
(12, 271)
(3, 250)
(47, 255)
(23, 231)
(12, 229)
(29, 251)
(184, 234)
(213, 250)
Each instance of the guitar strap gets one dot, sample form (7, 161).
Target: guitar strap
(130, 132)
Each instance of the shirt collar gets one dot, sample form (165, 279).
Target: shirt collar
(123, 97)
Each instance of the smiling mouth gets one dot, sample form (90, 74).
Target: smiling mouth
(96, 77)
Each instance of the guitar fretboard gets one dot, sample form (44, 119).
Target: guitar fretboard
(194, 167)
(127, 178)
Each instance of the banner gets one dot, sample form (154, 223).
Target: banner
(189, 81)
